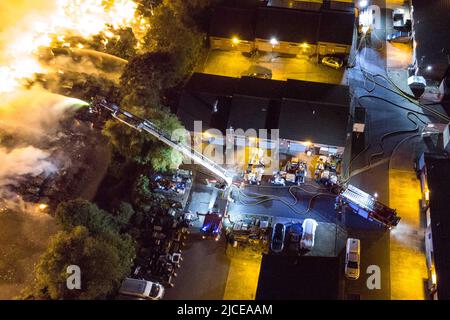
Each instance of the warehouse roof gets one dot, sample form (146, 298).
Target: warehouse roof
(313, 121)
(248, 113)
(219, 85)
(255, 87)
(196, 107)
(287, 25)
(298, 278)
(316, 91)
(230, 22)
(438, 175)
(303, 111)
(337, 27)
(432, 36)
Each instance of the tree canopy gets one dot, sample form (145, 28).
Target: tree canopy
(143, 148)
(103, 260)
(80, 212)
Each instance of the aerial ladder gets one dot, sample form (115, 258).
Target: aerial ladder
(99, 105)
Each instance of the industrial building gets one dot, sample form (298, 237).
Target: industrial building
(434, 173)
(306, 113)
(307, 28)
(431, 35)
(299, 278)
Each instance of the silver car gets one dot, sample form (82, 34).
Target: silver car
(333, 62)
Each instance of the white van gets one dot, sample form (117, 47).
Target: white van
(352, 258)
(143, 289)
(309, 230)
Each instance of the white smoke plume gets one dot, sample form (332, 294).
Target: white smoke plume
(29, 121)
(21, 162)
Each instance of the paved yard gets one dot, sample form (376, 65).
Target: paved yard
(407, 240)
(235, 64)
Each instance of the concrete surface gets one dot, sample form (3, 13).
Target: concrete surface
(235, 64)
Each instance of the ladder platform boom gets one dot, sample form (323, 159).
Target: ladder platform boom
(100, 105)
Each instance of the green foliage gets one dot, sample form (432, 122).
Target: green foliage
(168, 33)
(143, 148)
(123, 44)
(124, 213)
(84, 213)
(104, 261)
(148, 74)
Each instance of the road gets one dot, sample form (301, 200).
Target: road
(390, 142)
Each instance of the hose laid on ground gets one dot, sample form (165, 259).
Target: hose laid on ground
(267, 198)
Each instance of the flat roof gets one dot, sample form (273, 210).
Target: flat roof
(303, 111)
(287, 25)
(256, 87)
(230, 22)
(248, 113)
(432, 36)
(196, 107)
(438, 175)
(298, 278)
(313, 121)
(337, 27)
(317, 91)
(213, 84)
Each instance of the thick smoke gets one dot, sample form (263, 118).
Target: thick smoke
(21, 162)
(29, 122)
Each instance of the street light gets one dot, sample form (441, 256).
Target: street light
(273, 41)
(235, 40)
(363, 3)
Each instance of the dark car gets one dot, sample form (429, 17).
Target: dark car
(256, 71)
(401, 37)
(278, 235)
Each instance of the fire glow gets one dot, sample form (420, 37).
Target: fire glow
(82, 18)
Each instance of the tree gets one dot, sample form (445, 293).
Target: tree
(84, 213)
(146, 76)
(103, 260)
(123, 44)
(168, 33)
(124, 213)
(143, 148)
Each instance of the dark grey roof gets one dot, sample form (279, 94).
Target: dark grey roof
(438, 174)
(298, 278)
(255, 87)
(195, 106)
(209, 83)
(287, 25)
(304, 111)
(315, 91)
(313, 121)
(229, 22)
(339, 5)
(432, 36)
(337, 27)
(248, 113)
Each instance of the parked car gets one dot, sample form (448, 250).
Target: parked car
(309, 227)
(141, 289)
(259, 72)
(400, 36)
(333, 62)
(278, 234)
(352, 258)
